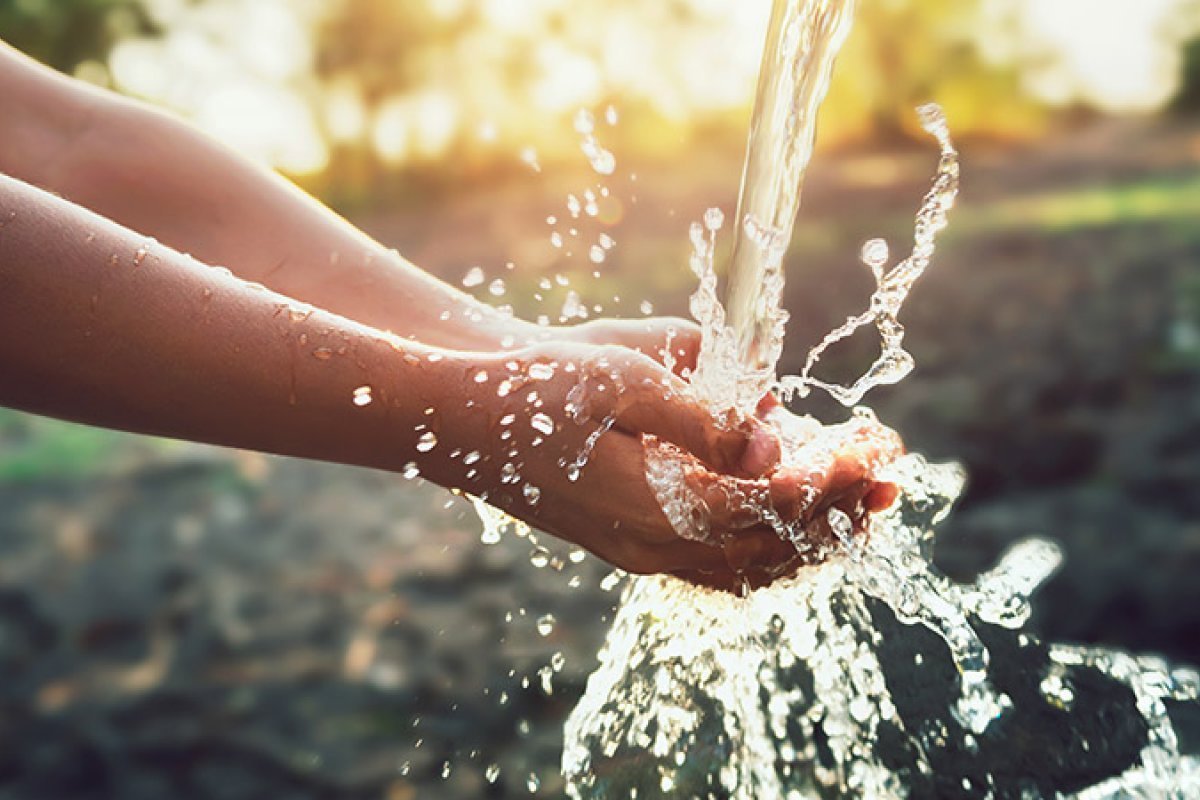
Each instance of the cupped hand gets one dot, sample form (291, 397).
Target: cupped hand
(553, 434)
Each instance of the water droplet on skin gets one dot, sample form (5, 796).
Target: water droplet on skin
(541, 371)
(427, 442)
(471, 457)
(497, 288)
(410, 471)
(508, 419)
(481, 376)
(646, 307)
(322, 354)
(596, 254)
(362, 396)
(573, 205)
(606, 241)
(532, 494)
(474, 277)
(610, 115)
(542, 423)
(556, 239)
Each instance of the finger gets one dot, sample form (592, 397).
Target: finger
(659, 404)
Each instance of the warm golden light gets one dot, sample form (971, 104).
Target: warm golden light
(487, 78)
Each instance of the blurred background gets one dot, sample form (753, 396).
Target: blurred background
(181, 621)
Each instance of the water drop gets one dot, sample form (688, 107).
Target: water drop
(541, 371)
(532, 494)
(411, 470)
(539, 557)
(497, 288)
(427, 442)
(492, 773)
(714, 218)
(362, 396)
(481, 376)
(530, 157)
(322, 353)
(471, 457)
(533, 783)
(584, 121)
(542, 423)
(610, 115)
(474, 277)
(875, 254)
(646, 307)
(596, 254)
(556, 239)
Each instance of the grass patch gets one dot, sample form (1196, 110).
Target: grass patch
(34, 448)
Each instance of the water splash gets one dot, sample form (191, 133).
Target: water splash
(892, 286)
(796, 690)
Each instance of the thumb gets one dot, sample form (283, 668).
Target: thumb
(658, 403)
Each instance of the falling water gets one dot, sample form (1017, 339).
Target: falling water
(871, 675)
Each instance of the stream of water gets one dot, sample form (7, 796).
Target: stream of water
(871, 675)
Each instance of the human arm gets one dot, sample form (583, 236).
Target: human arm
(150, 172)
(100, 325)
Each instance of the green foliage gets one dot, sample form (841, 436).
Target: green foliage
(65, 33)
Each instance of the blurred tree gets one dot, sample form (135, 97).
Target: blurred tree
(903, 53)
(67, 33)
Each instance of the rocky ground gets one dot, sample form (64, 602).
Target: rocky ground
(192, 623)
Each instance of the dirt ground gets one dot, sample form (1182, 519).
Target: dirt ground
(180, 621)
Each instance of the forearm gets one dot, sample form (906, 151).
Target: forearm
(98, 326)
(159, 176)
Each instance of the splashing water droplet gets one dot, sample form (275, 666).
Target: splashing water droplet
(875, 254)
(492, 773)
(474, 277)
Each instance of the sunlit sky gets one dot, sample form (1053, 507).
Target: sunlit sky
(244, 69)
(1108, 52)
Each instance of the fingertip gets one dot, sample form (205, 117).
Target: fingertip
(880, 497)
(762, 452)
